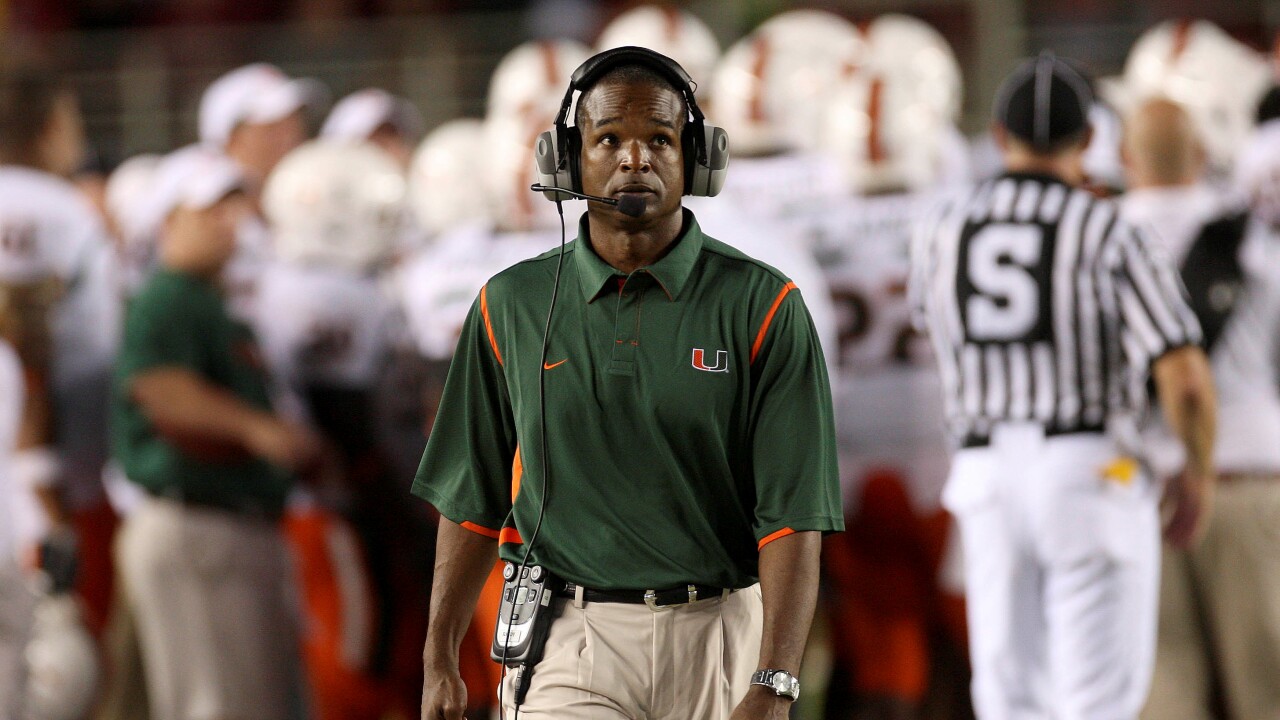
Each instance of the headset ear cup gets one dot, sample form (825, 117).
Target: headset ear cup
(706, 180)
(572, 172)
(546, 155)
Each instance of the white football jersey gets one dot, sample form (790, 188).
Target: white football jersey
(780, 189)
(49, 230)
(437, 285)
(783, 248)
(888, 399)
(324, 326)
(1246, 357)
(243, 273)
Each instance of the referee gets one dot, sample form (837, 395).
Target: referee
(1047, 314)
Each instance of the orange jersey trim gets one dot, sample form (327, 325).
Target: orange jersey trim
(479, 529)
(488, 324)
(774, 536)
(517, 474)
(768, 319)
(510, 535)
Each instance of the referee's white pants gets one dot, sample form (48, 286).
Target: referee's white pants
(1062, 551)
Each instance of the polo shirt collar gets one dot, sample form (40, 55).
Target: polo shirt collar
(671, 272)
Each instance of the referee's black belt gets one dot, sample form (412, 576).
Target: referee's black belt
(655, 599)
(975, 440)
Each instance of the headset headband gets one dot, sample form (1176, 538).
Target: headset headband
(596, 66)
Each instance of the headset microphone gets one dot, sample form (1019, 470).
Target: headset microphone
(629, 205)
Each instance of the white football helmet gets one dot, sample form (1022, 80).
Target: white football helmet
(676, 33)
(62, 662)
(446, 178)
(910, 48)
(534, 77)
(127, 190)
(770, 88)
(335, 204)
(509, 170)
(886, 136)
(1198, 65)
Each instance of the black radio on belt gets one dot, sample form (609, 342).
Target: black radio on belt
(524, 616)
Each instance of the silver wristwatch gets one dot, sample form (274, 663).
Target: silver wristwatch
(781, 682)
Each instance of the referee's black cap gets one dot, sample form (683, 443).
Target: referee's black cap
(1044, 102)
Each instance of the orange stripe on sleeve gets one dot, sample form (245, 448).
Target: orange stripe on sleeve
(488, 325)
(510, 535)
(517, 473)
(480, 529)
(768, 319)
(774, 536)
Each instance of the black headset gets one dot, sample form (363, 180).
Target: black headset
(705, 146)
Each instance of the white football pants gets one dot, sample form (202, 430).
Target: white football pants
(1062, 550)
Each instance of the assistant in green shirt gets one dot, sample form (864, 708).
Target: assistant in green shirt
(688, 415)
(179, 320)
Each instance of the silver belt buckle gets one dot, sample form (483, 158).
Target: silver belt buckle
(651, 599)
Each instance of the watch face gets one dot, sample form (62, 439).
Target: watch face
(782, 683)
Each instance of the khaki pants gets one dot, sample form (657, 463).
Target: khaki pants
(1220, 612)
(616, 661)
(124, 694)
(17, 609)
(208, 589)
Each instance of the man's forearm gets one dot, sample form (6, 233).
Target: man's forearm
(1184, 384)
(789, 569)
(178, 400)
(463, 562)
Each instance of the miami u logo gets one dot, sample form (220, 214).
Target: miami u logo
(722, 361)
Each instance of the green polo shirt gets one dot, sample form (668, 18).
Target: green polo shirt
(688, 417)
(178, 320)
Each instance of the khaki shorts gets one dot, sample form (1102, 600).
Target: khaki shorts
(610, 661)
(217, 629)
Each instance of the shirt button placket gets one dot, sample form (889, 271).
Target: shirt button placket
(626, 327)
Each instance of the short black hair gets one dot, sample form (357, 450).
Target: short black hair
(632, 72)
(28, 95)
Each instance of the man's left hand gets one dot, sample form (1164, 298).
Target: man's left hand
(762, 704)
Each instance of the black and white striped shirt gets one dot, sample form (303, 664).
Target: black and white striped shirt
(1042, 306)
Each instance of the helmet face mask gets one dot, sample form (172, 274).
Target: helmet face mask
(336, 205)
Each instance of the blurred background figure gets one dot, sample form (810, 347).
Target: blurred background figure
(1215, 77)
(390, 123)
(336, 211)
(203, 557)
(255, 115)
(1219, 631)
(60, 314)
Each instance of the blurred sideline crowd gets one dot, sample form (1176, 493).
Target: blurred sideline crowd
(219, 366)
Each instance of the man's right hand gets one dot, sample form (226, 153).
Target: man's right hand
(1188, 500)
(444, 696)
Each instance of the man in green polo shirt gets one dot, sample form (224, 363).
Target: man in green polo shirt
(202, 558)
(688, 430)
